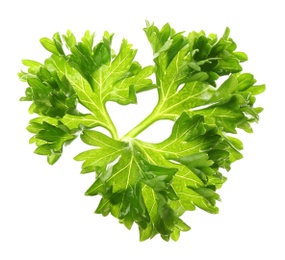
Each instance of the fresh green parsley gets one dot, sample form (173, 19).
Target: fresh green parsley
(150, 184)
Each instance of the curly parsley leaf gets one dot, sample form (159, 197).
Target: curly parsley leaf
(89, 75)
(149, 184)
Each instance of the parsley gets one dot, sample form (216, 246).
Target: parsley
(151, 184)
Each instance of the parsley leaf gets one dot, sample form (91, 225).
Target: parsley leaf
(150, 184)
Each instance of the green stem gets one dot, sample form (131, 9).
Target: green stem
(149, 120)
(113, 130)
(111, 127)
(109, 124)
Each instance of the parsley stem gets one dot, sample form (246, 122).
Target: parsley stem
(110, 124)
(112, 129)
(149, 120)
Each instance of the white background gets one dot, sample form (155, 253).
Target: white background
(43, 211)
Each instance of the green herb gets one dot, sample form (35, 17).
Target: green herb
(151, 184)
